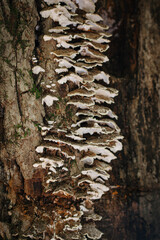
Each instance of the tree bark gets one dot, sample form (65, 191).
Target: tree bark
(132, 212)
(131, 209)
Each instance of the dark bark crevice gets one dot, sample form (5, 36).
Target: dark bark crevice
(2, 133)
(18, 96)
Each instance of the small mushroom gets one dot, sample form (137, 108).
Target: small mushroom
(71, 77)
(48, 100)
(94, 17)
(37, 69)
(81, 92)
(81, 103)
(86, 5)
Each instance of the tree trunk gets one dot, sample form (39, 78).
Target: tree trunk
(130, 209)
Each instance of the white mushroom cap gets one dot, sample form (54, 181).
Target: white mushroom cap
(83, 104)
(93, 174)
(59, 14)
(69, 3)
(48, 100)
(102, 76)
(86, 51)
(71, 77)
(94, 17)
(81, 92)
(37, 69)
(58, 29)
(65, 53)
(86, 5)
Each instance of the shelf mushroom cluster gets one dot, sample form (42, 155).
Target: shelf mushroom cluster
(76, 150)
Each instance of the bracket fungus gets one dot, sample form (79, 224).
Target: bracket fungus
(79, 136)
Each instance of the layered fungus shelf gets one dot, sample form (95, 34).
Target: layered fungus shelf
(79, 135)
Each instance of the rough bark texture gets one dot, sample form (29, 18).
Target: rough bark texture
(20, 113)
(130, 211)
